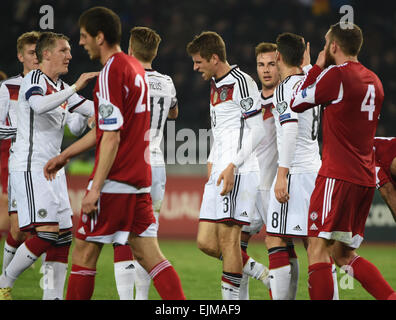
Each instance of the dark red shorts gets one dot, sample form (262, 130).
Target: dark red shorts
(338, 210)
(118, 215)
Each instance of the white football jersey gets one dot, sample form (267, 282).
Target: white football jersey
(267, 151)
(233, 98)
(162, 98)
(39, 136)
(306, 156)
(9, 91)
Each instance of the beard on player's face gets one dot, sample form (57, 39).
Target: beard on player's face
(329, 59)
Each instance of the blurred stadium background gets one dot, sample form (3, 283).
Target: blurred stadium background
(243, 24)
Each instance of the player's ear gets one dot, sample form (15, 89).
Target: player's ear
(20, 57)
(100, 38)
(215, 58)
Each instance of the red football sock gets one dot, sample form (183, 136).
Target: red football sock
(81, 283)
(370, 278)
(278, 257)
(122, 253)
(245, 257)
(12, 242)
(320, 281)
(167, 281)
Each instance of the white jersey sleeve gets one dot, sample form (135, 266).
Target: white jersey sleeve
(35, 93)
(4, 104)
(77, 123)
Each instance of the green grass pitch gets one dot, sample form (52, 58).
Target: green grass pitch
(200, 275)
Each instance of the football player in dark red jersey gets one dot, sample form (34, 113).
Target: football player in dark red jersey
(117, 207)
(352, 96)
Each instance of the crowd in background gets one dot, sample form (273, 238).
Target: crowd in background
(242, 24)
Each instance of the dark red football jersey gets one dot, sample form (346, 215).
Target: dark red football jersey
(122, 103)
(352, 97)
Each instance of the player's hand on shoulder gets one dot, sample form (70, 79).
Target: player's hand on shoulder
(84, 79)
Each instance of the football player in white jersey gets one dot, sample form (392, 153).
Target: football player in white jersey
(299, 162)
(44, 104)
(267, 156)
(143, 45)
(26, 54)
(229, 195)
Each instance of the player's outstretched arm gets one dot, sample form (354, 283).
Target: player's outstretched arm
(55, 164)
(45, 103)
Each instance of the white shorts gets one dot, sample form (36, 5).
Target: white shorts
(259, 219)
(12, 204)
(291, 218)
(237, 206)
(41, 202)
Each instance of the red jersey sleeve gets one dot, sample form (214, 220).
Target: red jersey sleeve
(318, 88)
(110, 97)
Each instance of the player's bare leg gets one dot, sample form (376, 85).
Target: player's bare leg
(82, 278)
(229, 237)
(207, 239)
(279, 267)
(165, 278)
(364, 271)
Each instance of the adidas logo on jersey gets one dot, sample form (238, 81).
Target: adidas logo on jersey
(297, 228)
(244, 214)
(313, 227)
(81, 230)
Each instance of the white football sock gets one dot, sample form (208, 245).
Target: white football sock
(229, 292)
(255, 269)
(280, 282)
(142, 282)
(295, 271)
(124, 272)
(335, 281)
(244, 287)
(22, 260)
(8, 255)
(53, 281)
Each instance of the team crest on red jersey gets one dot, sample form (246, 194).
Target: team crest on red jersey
(221, 94)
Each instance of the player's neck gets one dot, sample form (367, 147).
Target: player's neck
(107, 52)
(343, 59)
(222, 69)
(25, 71)
(286, 71)
(267, 92)
(46, 69)
(146, 65)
